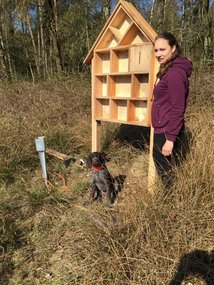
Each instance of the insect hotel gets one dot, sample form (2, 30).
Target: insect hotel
(123, 71)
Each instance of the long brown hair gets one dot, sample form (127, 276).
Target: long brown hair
(172, 41)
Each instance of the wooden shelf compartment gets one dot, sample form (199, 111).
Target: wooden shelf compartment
(120, 24)
(100, 86)
(140, 86)
(119, 86)
(140, 58)
(119, 110)
(133, 36)
(137, 110)
(120, 60)
(107, 41)
(102, 108)
(102, 62)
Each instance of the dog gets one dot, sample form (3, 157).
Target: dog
(103, 184)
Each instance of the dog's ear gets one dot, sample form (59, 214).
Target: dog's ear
(105, 157)
(89, 161)
(102, 158)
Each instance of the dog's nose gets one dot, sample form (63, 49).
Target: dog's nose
(95, 158)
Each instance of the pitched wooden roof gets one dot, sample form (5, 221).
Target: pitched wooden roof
(136, 17)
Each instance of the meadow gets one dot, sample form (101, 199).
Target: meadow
(52, 236)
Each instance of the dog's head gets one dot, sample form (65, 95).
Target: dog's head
(96, 159)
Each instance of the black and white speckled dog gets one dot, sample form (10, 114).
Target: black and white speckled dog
(103, 183)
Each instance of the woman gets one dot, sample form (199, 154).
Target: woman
(169, 104)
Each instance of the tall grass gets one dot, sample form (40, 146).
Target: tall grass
(51, 237)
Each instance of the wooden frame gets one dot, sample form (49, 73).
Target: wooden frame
(123, 71)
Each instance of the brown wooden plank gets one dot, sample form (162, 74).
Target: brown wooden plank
(96, 125)
(151, 170)
(56, 154)
(116, 33)
(140, 58)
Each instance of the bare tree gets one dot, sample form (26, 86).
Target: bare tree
(4, 44)
(56, 36)
(41, 43)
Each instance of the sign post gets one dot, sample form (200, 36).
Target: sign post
(40, 147)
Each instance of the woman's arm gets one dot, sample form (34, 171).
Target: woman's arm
(177, 94)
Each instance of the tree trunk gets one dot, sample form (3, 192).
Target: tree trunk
(55, 31)
(152, 11)
(4, 46)
(87, 40)
(35, 52)
(106, 9)
(41, 47)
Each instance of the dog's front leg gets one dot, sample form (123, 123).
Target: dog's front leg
(95, 193)
(111, 194)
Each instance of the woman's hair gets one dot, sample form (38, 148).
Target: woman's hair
(172, 42)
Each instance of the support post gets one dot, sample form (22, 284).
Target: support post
(96, 135)
(96, 125)
(40, 147)
(151, 171)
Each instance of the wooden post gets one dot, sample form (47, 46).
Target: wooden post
(151, 169)
(96, 135)
(95, 124)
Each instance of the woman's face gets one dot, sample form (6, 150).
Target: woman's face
(163, 51)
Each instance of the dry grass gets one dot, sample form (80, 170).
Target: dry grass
(50, 237)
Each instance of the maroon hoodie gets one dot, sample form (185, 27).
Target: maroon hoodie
(170, 99)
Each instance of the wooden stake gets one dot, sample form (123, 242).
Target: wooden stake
(151, 170)
(96, 135)
(96, 125)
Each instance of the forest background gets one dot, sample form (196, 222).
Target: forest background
(40, 39)
(52, 235)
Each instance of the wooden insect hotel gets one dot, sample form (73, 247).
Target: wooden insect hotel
(123, 71)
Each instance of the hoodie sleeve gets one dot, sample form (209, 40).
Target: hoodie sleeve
(177, 91)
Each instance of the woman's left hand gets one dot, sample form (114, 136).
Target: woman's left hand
(167, 148)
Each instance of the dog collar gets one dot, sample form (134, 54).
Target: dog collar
(98, 168)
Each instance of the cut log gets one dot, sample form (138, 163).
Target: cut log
(67, 159)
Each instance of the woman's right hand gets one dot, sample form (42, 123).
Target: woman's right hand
(167, 148)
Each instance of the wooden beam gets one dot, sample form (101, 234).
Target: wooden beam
(116, 33)
(96, 135)
(67, 159)
(152, 171)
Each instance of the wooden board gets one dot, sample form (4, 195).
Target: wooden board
(123, 86)
(140, 58)
(125, 24)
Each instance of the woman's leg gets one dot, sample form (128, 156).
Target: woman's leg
(162, 163)
(181, 147)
